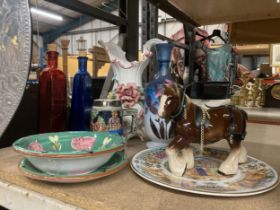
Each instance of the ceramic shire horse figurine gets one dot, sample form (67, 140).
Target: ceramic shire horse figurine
(196, 125)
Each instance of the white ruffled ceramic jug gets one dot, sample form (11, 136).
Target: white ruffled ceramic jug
(128, 85)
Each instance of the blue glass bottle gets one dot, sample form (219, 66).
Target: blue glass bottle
(158, 130)
(82, 97)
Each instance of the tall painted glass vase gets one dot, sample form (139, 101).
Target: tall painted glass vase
(52, 94)
(82, 98)
(158, 130)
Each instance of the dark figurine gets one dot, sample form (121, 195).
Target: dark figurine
(195, 124)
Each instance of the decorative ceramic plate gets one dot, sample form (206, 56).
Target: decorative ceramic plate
(69, 152)
(115, 164)
(253, 177)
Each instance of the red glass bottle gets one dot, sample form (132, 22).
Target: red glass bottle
(52, 90)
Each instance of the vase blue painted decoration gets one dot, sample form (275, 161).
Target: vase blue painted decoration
(82, 98)
(158, 130)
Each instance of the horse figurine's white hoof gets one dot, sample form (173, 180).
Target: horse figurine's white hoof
(242, 155)
(178, 169)
(176, 166)
(188, 155)
(178, 163)
(230, 165)
(228, 169)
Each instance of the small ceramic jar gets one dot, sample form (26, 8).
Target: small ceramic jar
(107, 114)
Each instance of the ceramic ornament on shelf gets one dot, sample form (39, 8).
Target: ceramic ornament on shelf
(158, 129)
(194, 124)
(127, 85)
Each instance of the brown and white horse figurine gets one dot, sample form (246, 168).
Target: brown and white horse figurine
(193, 124)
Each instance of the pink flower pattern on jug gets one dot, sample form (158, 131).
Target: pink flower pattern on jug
(35, 146)
(128, 94)
(83, 143)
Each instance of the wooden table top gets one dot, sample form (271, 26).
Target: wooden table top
(126, 190)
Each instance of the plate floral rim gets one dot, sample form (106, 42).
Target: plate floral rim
(71, 179)
(201, 192)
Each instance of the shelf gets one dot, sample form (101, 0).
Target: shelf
(258, 49)
(263, 115)
(220, 11)
(123, 190)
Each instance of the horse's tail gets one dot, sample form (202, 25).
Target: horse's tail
(240, 134)
(245, 115)
(244, 123)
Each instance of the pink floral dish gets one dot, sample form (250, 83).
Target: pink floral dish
(69, 152)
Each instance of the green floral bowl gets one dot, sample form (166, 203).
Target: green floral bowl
(69, 153)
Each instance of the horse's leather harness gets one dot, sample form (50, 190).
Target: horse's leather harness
(201, 117)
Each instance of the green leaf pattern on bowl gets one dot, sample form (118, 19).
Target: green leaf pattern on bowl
(106, 142)
(56, 145)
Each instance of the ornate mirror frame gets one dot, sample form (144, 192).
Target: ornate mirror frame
(15, 54)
